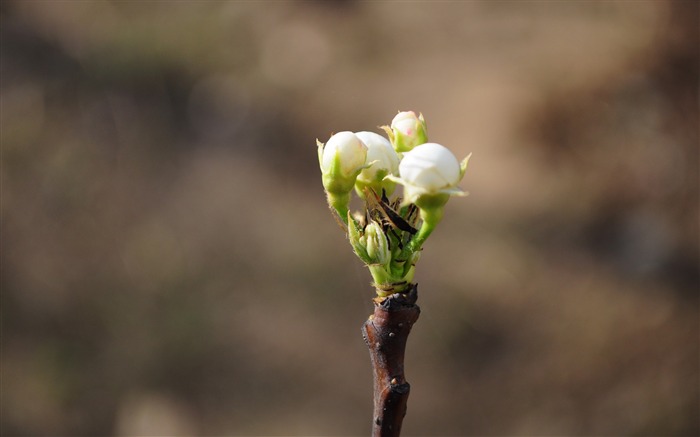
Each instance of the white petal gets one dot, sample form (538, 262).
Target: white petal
(431, 166)
(380, 151)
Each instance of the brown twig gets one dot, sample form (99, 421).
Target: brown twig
(385, 333)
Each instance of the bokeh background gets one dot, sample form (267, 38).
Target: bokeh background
(169, 265)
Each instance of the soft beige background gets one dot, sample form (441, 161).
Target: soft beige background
(169, 266)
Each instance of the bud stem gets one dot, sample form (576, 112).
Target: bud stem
(340, 203)
(431, 217)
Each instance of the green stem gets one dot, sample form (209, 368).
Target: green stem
(431, 218)
(340, 203)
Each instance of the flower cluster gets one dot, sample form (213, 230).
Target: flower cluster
(389, 234)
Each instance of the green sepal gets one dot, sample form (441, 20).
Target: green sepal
(320, 154)
(463, 166)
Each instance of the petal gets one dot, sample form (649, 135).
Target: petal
(430, 165)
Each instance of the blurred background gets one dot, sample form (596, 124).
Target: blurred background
(170, 267)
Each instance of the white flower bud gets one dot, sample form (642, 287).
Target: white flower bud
(382, 161)
(407, 131)
(345, 149)
(341, 159)
(429, 169)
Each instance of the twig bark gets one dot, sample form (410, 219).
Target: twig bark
(385, 333)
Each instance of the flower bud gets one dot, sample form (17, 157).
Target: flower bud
(429, 170)
(376, 244)
(429, 174)
(356, 239)
(341, 159)
(407, 131)
(382, 161)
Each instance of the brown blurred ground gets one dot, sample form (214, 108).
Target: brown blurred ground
(169, 266)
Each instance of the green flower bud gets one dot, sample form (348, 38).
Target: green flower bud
(376, 244)
(355, 235)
